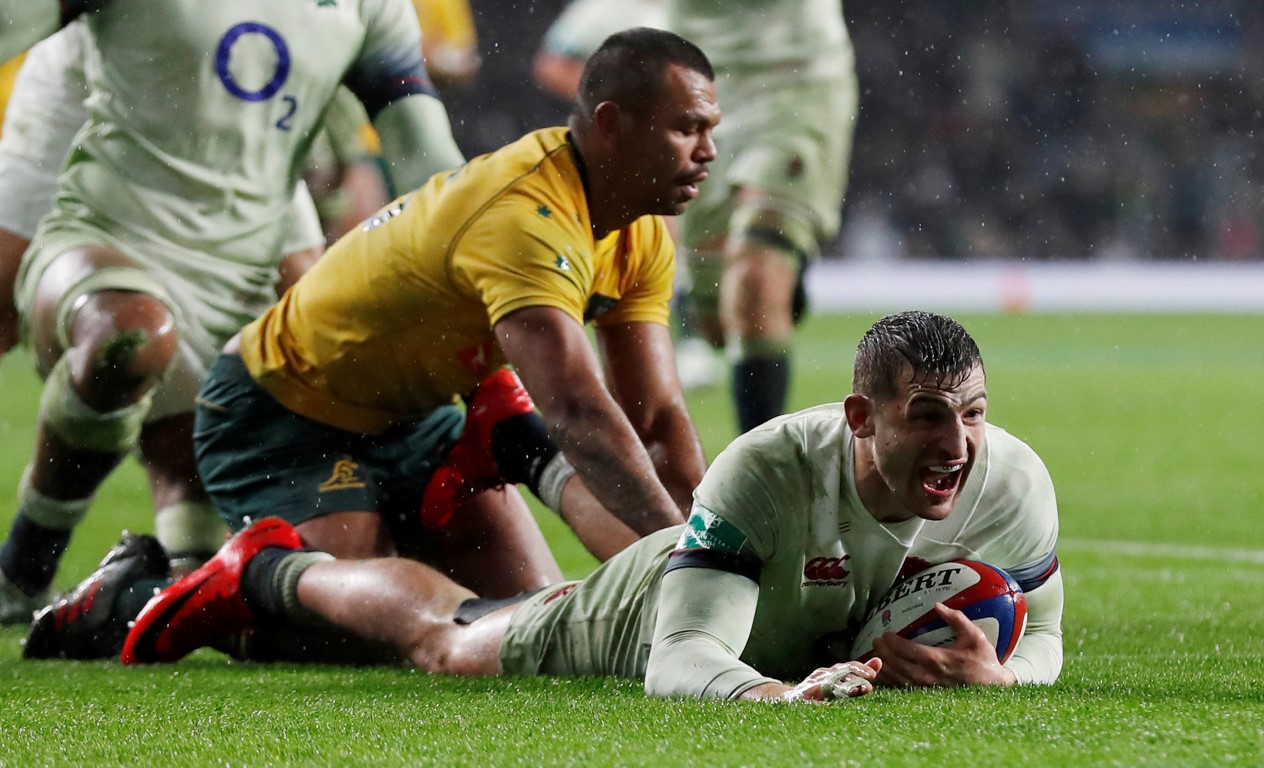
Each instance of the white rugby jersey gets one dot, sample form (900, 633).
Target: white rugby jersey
(808, 35)
(780, 507)
(584, 25)
(46, 112)
(200, 113)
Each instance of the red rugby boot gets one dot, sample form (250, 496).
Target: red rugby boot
(469, 467)
(207, 604)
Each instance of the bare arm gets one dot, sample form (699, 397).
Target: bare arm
(641, 373)
(11, 249)
(559, 368)
(365, 190)
(293, 266)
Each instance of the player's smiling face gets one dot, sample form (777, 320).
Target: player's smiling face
(671, 145)
(916, 449)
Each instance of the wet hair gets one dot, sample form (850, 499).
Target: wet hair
(937, 349)
(628, 67)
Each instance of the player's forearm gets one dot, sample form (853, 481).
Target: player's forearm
(766, 692)
(416, 141)
(24, 23)
(614, 465)
(704, 619)
(1037, 660)
(676, 452)
(692, 664)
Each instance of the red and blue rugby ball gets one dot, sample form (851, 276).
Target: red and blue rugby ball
(987, 595)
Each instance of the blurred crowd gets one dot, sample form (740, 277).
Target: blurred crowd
(1109, 130)
(1070, 130)
(1063, 131)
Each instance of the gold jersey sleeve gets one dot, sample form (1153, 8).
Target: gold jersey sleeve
(449, 22)
(449, 37)
(397, 318)
(8, 73)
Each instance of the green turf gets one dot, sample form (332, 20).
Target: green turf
(1150, 426)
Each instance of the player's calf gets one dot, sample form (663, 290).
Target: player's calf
(761, 302)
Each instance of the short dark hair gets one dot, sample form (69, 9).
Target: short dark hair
(627, 69)
(937, 348)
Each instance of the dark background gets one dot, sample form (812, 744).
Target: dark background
(1118, 129)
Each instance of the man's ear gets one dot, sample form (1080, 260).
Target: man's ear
(859, 412)
(606, 119)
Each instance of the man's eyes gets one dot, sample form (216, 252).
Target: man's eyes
(932, 416)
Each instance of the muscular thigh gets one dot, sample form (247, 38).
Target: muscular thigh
(349, 535)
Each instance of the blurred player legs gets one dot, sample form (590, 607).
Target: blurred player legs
(786, 72)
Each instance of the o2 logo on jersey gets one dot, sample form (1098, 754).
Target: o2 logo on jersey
(282, 72)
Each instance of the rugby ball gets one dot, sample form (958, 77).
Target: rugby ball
(984, 593)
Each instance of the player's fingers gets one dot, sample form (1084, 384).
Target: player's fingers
(908, 664)
(847, 680)
(891, 677)
(968, 633)
(893, 669)
(954, 618)
(892, 646)
(857, 687)
(860, 669)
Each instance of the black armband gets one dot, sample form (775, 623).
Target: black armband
(739, 563)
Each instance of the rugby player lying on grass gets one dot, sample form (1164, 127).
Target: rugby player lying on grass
(903, 472)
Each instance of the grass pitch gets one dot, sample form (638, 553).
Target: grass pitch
(1150, 426)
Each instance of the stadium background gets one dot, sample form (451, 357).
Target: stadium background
(1062, 130)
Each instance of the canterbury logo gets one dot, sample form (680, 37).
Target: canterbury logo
(344, 476)
(826, 570)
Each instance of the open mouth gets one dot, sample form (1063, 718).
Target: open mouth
(942, 481)
(690, 183)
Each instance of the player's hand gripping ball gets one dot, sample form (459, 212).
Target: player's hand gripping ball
(987, 595)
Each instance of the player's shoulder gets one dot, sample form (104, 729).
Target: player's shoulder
(532, 182)
(1013, 521)
(1017, 497)
(1014, 463)
(647, 238)
(809, 436)
(524, 165)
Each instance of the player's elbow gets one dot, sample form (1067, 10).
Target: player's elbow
(1038, 660)
(659, 682)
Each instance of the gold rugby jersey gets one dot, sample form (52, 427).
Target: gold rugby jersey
(397, 318)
